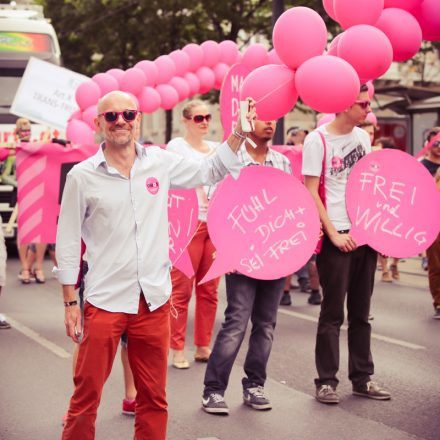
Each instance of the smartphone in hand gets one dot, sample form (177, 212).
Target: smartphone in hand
(246, 125)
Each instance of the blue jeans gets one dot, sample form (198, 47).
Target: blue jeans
(247, 298)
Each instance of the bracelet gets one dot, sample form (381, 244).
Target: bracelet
(239, 135)
(70, 303)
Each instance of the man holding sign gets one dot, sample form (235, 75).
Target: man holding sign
(330, 153)
(248, 298)
(116, 201)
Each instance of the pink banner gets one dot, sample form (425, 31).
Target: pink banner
(264, 224)
(41, 174)
(183, 210)
(230, 97)
(393, 204)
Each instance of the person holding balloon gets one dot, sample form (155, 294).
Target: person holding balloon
(345, 269)
(195, 118)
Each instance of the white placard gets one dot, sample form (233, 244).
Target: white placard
(46, 93)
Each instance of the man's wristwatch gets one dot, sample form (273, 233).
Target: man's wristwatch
(70, 303)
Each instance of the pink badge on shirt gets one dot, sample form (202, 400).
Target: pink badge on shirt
(393, 204)
(182, 223)
(264, 224)
(152, 185)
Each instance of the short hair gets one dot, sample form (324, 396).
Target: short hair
(295, 130)
(366, 124)
(433, 132)
(186, 111)
(387, 142)
(364, 88)
(21, 122)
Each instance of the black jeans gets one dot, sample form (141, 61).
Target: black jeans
(247, 298)
(342, 274)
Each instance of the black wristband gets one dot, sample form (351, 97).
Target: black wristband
(70, 303)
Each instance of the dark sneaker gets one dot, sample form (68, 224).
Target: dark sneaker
(371, 390)
(285, 299)
(255, 398)
(425, 263)
(215, 403)
(436, 313)
(315, 298)
(326, 394)
(304, 286)
(4, 325)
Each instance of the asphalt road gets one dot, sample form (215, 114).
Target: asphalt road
(35, 374)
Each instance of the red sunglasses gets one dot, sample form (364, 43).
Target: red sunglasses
(200, 118)
(363, 104)
(127, 115)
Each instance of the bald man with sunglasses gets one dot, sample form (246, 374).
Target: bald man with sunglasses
(116, 201)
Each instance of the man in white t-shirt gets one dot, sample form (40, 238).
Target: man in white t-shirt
(344, 268)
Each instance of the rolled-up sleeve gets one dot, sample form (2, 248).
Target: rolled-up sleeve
(68, 244)
(189, 173)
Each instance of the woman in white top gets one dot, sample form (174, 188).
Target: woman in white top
(195, 118)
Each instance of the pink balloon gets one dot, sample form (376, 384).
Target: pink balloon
(273, 58)
(369, 60)
(273, 88)
(133, 81)
(193, 82)
(211, 53)
(228, 52)
(371, 117)
(255, 56)
(168, 95)
(195, 53)
(149, 100)
(181, 61)
(75, 115)
(333, 46)
(89, 115)
(370, 86)
(352, 12)
(328, 6)
(150, 70)
(78, 132)
(87, 94)
(325, 119)
(239, 57)
(181, 87)
(166, 68)
(206, 77)
(106, 82)
(405, 44)
(220, 71)
(298, 35)
(428, 16)
(117, 74)
(327, 84)
(408, 5)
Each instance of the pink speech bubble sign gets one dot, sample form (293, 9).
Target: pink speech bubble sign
(230, 97)
(264, 224)
(393, 204)
(182, 224)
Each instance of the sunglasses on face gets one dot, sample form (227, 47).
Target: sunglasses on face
(200, 118)
(363, 104)
(436, 144)
(127, 115)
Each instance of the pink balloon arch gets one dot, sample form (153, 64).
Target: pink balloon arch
(297, 66)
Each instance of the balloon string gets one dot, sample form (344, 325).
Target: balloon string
(273, 91)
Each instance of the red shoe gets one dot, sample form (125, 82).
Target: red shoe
(128, 407)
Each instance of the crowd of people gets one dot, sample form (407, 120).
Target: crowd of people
(113, 226)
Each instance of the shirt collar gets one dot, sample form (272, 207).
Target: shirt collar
(99, 158)
(248, 160)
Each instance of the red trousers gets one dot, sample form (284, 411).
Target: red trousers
(148, 345)
(201, 251)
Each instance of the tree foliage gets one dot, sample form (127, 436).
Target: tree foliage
(96, 35)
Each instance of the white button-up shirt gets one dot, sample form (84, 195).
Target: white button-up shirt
(124, 223)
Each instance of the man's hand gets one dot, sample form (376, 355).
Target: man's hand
(250, 116)
(344, 242)
(72, 321)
